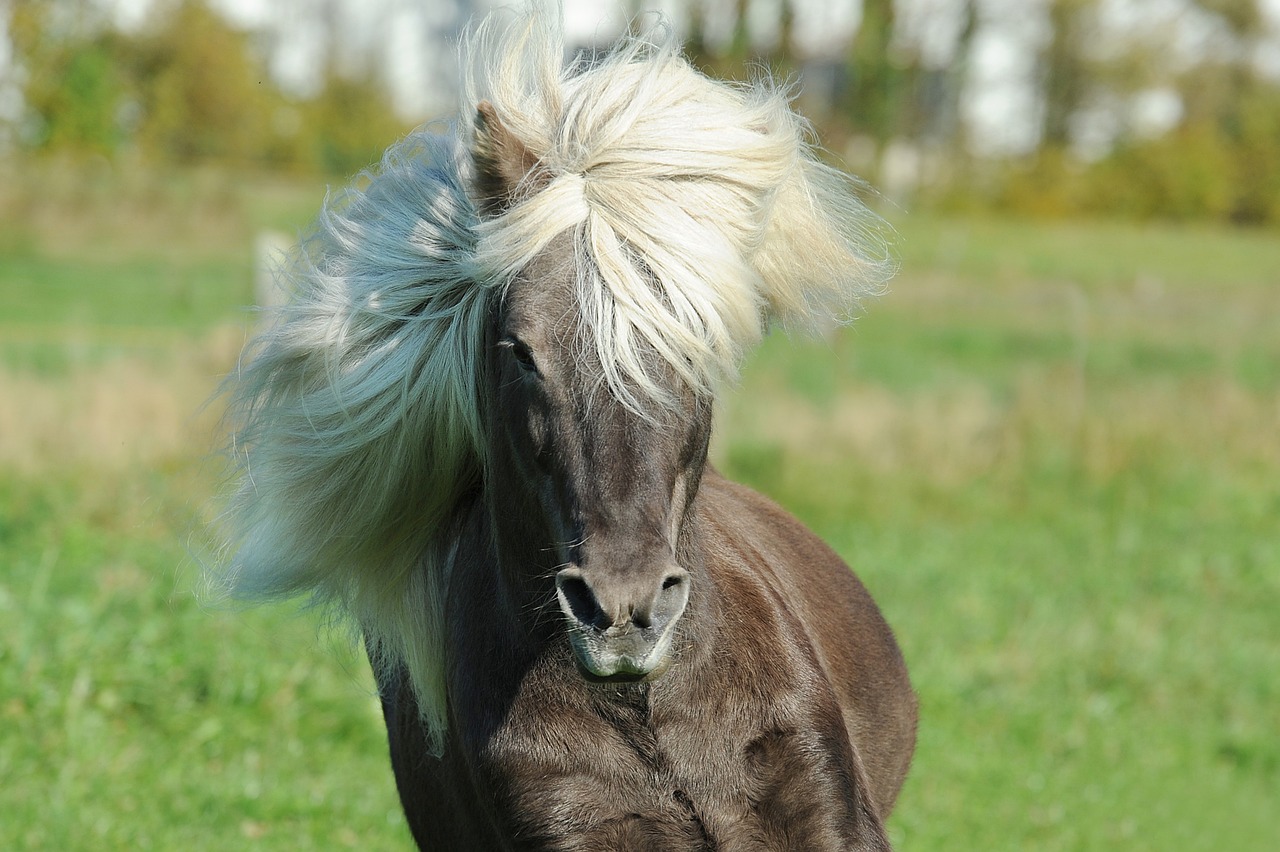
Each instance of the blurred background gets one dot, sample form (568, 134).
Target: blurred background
(1154, 109)
(1052, 450)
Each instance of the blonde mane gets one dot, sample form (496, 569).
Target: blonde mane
(699, 212)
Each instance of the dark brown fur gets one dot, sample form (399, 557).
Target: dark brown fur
(785, 720)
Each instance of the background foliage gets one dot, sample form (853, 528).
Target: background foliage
(188, 87)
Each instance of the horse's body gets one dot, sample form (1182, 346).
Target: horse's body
(786, 724)
(482, 424)
(785, 720)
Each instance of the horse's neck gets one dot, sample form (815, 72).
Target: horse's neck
(520, 552)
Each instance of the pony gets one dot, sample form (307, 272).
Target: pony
(478, 426)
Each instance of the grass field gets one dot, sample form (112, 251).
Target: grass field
(1052, 452)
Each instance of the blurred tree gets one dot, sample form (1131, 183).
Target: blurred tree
(1222, 160)
(695, 28)
(1257, 156)
(77, 102)
(1064, 67)
(350, 122)
(1242, 17)
(188, 88)
(73, 87)
(873, 101)
(191, 87)
(957, 76)
(741, 56)
(1182, 175)
(202, 92)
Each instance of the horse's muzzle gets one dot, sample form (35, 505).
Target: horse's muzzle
(622, 628)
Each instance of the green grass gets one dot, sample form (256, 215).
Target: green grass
(49, 293)
(1052, 452)
(1062, 482)
(135, 719)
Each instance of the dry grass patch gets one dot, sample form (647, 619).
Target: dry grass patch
(129, 410)
(947, 436)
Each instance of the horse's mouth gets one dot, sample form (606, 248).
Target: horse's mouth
(600, 660)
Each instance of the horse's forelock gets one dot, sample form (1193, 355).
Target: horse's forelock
(701, 209)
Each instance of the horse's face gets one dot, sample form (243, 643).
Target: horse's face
(612, 489)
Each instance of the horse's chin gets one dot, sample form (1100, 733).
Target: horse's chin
(622, 676)
(598, 661)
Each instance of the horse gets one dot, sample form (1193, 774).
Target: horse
(479, 426)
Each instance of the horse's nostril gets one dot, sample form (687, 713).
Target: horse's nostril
(582, 603)
(609, 602)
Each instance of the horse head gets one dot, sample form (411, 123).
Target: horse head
(608, 486)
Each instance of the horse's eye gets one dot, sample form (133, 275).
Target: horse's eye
(520, 351)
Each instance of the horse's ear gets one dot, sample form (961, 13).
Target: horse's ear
(504, 165)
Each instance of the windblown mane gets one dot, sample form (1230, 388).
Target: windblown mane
(699, 213)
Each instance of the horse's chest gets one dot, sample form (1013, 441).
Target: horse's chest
(625, 782)
(612, 784)
(717, 759)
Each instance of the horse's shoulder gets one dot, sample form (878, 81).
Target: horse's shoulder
(742, 520)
